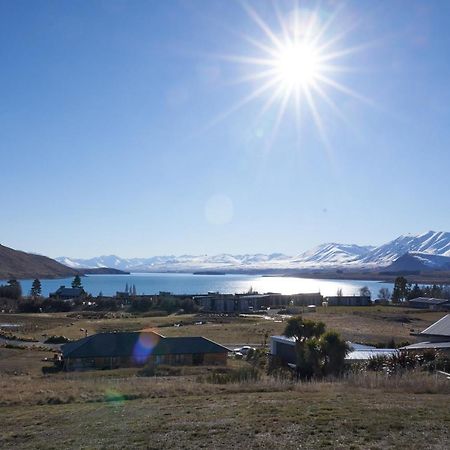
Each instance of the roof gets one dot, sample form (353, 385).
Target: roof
(75, 292)
(428, 301)
(139, 345)
(371, 353)
(427, 345)
(439, 328)
(284, 339)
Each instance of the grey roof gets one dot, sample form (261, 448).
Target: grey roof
(427, 345)
(439, 328)
(428, 301)
(73, 292)
(139, 345)
(287, 340)
(363, 355)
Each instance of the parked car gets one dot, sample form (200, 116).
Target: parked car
(243, 350)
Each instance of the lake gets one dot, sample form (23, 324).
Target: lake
(182, 283)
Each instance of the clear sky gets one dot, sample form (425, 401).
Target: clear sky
(120, 131)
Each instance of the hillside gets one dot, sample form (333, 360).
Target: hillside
(419, 262)
(17, 264)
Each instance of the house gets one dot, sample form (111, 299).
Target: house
(429, 303)
(134, 349)
(435, 337)
(64, 293)
(283, 349)
(351, 300)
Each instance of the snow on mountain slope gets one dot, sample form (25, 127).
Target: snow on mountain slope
(419, 261)
(323, 256)
(333, 254)
(183, 262)
(433, 243)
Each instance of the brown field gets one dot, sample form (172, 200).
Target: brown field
(360, 324)
(119, 409)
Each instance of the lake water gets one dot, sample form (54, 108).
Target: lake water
(152, 283)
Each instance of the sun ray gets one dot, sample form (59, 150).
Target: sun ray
(264, 27)
(298, 59)
(344, 89)
(254, 76)
(280, 113)
(251, 60)
(236, 107)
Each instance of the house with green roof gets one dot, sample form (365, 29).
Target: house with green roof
(134, 349)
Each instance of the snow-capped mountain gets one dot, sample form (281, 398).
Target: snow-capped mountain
(418, 262)
(334, 253)
(432, 243)
(429, 249)
(179, 263)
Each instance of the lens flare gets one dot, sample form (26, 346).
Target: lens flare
(144, 346)
(114, 397)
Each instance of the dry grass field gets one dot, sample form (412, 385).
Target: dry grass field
(119, 409)
(360, 324)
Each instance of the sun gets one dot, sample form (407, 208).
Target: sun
(297, 65)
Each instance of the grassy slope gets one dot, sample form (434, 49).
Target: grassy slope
(314, 417)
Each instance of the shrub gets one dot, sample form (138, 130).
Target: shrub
(404, 361)
(56, 340)
(241, 375)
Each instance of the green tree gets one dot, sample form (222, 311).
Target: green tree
(305, 332)
(319, 352)
(365, 292)
(436, 291)
(333, 350)
(16, 288)
(36, 288)
(415, 292)
(401, 289)
(384, 293)
(76, 283)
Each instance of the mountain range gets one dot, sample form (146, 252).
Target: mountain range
(430, 250)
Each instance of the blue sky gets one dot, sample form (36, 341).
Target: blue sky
(110, 138)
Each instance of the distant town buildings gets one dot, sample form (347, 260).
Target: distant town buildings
(354, 300)
(242, 303)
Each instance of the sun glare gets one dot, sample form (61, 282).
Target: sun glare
(297, 65)
(296, 62)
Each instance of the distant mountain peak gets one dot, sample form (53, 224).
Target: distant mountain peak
(330, 254)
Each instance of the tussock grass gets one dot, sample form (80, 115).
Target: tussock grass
(410, 382)
(88, 388)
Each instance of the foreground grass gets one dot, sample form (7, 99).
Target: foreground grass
(119, 409)
(322, 415)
